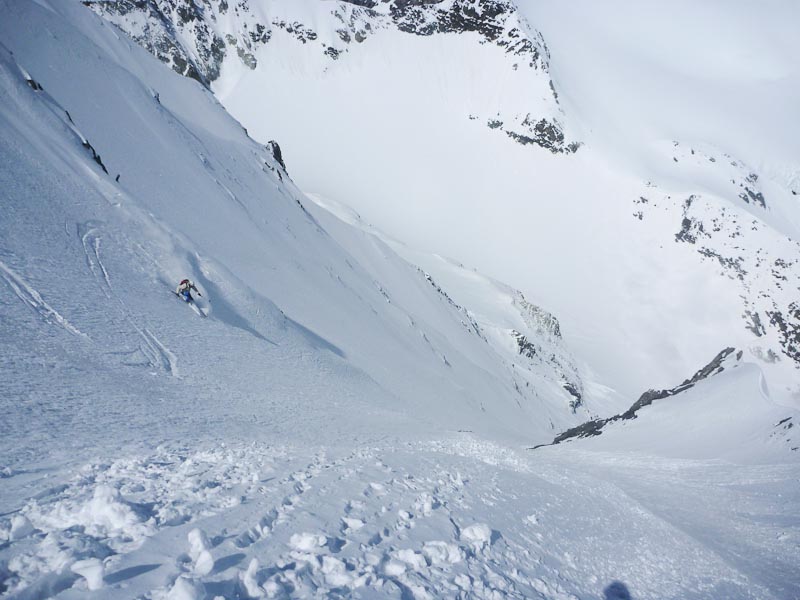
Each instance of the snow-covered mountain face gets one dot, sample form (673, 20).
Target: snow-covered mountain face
(148, 180)
(199, 39)
(343, 413)
(632, 185)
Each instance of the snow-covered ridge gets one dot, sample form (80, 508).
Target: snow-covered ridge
(200, 39)
(595, 427)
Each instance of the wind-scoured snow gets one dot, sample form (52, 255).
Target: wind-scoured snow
(353, 416)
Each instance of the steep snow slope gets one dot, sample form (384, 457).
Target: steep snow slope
(501, 314)
(670, 232)
(200, 199)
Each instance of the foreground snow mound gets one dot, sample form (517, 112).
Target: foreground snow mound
(460, 517)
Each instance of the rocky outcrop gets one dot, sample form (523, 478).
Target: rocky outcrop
(496, 21)
(195, 37)
(543, 349)
(544, 133)
(275, 149)
(789, 327)
(730, 228)
(596, 426)
(154, 25)
(187, 34)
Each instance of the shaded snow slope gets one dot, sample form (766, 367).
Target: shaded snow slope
(671, 232)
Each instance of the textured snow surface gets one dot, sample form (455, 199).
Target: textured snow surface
(453, 518)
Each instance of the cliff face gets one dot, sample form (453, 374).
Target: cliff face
(196, 38)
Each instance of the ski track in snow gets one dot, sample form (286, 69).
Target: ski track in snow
(410, 521)
(156, 353)
(32, 298)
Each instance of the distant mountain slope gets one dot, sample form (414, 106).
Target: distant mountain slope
(657, 231)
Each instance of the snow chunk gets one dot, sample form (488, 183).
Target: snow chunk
(477, 535)
(91, 570)
(352, 524)
(21, 527)
(335, 572)
(107, 511)
(413, 559)
(200, 552)
(393, 568)
(249, 583)
(307, 542)
(442, 553)
(186, 589)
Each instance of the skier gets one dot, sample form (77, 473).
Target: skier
(184, 290)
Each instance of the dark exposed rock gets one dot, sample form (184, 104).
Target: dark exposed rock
(595, 426)
(160, 35)
(300, 32)
(728, 263)
(95, 155)
(754, 323)
(539, 319)
(782, 430)
(691, 229)
(364, 3)
(685, 234)
(247, 58)
(546, 326)
(275, 149)
(577, 397)
(524, 347)
(751, 196)
(413, 16)
(186, 35)
(543, 133)
(34, 85)
(788, 326)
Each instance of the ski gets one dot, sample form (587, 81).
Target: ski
(191, 303)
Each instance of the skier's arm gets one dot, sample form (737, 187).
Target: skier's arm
(194, 287)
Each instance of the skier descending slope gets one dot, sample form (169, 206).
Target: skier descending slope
(184, 290)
